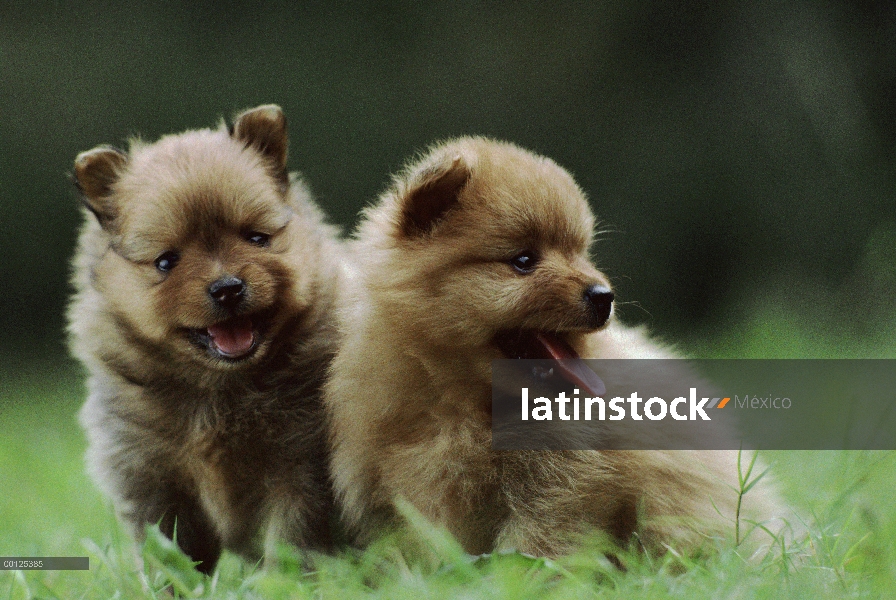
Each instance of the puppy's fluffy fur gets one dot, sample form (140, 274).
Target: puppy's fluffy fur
(478, 246)
(204, 283)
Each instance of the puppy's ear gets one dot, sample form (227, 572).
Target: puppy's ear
(431, 193)
(264, 129)
(96, 171)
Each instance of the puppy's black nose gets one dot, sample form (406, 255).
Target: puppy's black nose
(600, 299)
(227, 291)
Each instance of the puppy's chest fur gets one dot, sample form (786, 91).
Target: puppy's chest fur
(437, 457)
(241, 449)
(230, 455)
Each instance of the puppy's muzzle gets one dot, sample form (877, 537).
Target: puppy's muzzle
(227, 292)
(600, 301)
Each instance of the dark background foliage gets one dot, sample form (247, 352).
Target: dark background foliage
(739, 154)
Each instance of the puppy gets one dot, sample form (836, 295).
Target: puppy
(205, 279)
(479, 251)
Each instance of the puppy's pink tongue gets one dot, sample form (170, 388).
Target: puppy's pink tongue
(234, 337)
(573, 368)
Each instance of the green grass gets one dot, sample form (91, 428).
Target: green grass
(48, 507)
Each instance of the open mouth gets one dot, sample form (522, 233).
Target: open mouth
(529, 344)
(232, 339)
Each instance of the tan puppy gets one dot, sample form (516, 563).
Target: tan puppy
(478, 251)
(205, 279)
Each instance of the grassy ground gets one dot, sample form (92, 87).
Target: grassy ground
(48, 507)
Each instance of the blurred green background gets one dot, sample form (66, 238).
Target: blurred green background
(740, 155)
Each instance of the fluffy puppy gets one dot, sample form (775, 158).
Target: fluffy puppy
(479, 251)
(204, 282)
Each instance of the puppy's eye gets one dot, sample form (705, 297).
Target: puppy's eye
(525, 261)
(167, 261)
(258, 238)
